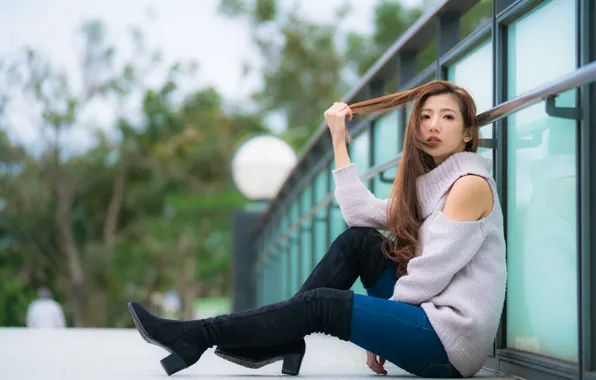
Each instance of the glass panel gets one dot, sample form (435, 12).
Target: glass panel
(476, 17)
(427, 56)
(474, 72)
(262, 242)
(390, 85)
(320, 229)
(305, 237)
(359, 152)
(271, 281)
(321, 244)
(283, 272)
(260, 287)
(267, 281)
(306, 254)
(320, 187)
(294, 254)
(273, 276)
(279, 295)
(263, 287)
(387, 142)
(337, 221)
(278, 230)
(541, 228)
(283, 258)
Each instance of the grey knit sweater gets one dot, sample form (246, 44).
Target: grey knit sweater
(459, 275)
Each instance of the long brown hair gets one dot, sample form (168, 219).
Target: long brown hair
(404, 214)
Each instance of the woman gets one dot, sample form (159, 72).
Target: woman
(436, 283)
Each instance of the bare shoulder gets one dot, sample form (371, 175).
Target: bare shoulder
(469, 199)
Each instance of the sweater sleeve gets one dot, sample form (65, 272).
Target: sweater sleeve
(359, 207)
(450, 246)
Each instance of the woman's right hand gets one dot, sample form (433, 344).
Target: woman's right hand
(374, 364)
(336, 121)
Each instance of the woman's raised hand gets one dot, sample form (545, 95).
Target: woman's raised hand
(336, 121)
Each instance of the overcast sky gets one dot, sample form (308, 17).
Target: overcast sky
(181, 29)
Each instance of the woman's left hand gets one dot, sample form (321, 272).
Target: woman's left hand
(374, 364)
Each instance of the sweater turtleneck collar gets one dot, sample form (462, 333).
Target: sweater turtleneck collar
(433, 185)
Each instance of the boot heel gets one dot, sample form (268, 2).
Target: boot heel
(292, 363)
(173, 363)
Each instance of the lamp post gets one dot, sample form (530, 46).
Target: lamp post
(259, 168)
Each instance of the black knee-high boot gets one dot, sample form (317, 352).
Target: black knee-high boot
(355, 253)
(321, 310)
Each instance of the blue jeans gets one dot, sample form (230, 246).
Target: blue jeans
(398, 332)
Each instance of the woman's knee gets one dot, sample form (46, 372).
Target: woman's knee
(358, 234)
(362, 238)
(364, 231)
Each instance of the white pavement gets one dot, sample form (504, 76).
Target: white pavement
(118, 354)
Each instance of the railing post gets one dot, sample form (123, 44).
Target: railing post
(586, 156)
(245, 250)
(406, 67)
(448, 33)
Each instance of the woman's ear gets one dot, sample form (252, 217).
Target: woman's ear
(467, 135)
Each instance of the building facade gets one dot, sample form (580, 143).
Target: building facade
(530, 68)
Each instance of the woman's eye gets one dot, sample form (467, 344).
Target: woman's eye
(449, 117)
(425, 117)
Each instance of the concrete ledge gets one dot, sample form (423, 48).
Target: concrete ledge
(118, 354)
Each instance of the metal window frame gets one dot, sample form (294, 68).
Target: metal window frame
(586, 192)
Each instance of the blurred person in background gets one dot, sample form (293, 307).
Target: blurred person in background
(44, 312)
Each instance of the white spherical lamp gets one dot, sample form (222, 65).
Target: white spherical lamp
(261, 165)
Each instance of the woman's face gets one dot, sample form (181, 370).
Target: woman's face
(442, 127)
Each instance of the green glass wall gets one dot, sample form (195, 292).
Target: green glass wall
(387, 144)
(541, 188)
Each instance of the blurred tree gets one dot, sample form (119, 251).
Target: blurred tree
(101, 210)
(478, 15)
(391, 20)
(302, 72)
(309, 65)
(306, 68)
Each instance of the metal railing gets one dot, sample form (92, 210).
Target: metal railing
(577, 78)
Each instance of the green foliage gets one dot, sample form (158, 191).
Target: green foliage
(480, 14)
(391, 20)
(260, 11)
(303, 70)
(13, 299)
(233, 8)
(101, 223)
(309, 65)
